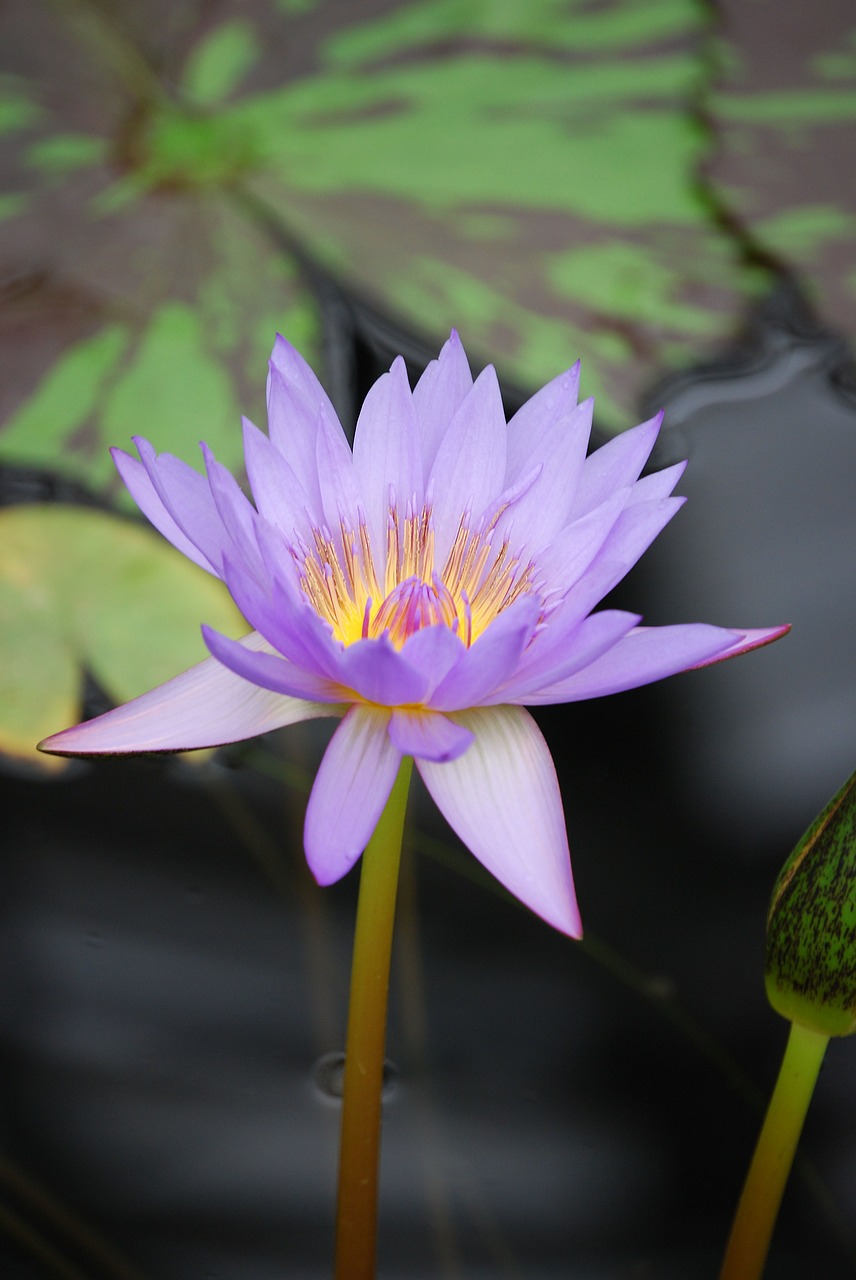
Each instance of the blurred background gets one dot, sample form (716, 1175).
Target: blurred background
(663, 188)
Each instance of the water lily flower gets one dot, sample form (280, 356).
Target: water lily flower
(424, 587)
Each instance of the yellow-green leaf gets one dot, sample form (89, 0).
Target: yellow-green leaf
(86, 591)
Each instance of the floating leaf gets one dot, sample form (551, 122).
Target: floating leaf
(784, 116)
(529, 172)
(179, 363)
(449, 163)
(83, 590)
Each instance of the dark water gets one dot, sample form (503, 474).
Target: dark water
(173, 982)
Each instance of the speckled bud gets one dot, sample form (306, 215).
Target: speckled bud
(811, 927)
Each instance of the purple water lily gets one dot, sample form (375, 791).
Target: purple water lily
(424, 587)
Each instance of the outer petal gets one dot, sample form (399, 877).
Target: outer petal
(558, 658)
(567, 558)
(502, 798)
(651, 653)
(615, 464)
(659, 484)
(340, 493)
(270, 671)
(427, 735)
(386, 449)
(535, 417)
(299, 374)
(187, 497)
(290, 626)
(280, 497)
(439, 394)
(469, 469)
(139, 484)
(628, 539)
(295, 400)
(538, 515)
(236, 512)
(750, 640)
(206, 706)
(350, 790)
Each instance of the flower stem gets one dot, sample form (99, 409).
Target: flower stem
(756, 1214)
(359, 1151)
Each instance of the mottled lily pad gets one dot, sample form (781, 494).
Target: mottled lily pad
(142, 297)
(462, 167)
(85, 591)
(527, 173)
(785, 121)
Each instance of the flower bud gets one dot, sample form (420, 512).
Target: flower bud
(811, 926)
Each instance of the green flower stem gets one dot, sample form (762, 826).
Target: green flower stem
(756, 1214)
(359, 1152)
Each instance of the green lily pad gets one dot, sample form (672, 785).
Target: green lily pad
(84, 590)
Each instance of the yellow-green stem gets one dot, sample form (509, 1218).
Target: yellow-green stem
(756, 1214)
(359, 1151)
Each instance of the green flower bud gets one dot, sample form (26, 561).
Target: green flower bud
(811, 927)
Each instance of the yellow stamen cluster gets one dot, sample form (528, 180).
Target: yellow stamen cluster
(476, 583)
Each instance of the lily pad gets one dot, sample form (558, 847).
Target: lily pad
(86, 591)
(144, 298)
(454, 165)
(785, 123)
(445, 165)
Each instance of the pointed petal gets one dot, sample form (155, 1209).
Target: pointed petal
(187, 497)
(659, 484)
(295, 400)
(271, 671)
(652, 653)
(206, 706)
(290, 626)
(236, 512)
(631, 535)
(566, 559)
(297, 372)
(502, 798)
(615, 464)
(439, 394)
(536, 518)
(340, 492)
(564, 653)
(139, 484)
(492, 660)
(427, 735)
(278, 493)
(386, 449)
(750, 641)
(536, 416)
(293, 428)
(469, 469)
(350, 790)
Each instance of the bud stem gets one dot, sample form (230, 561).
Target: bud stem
(758, 1208)
(359, 1150)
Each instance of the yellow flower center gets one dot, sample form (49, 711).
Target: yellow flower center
(474, 586)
